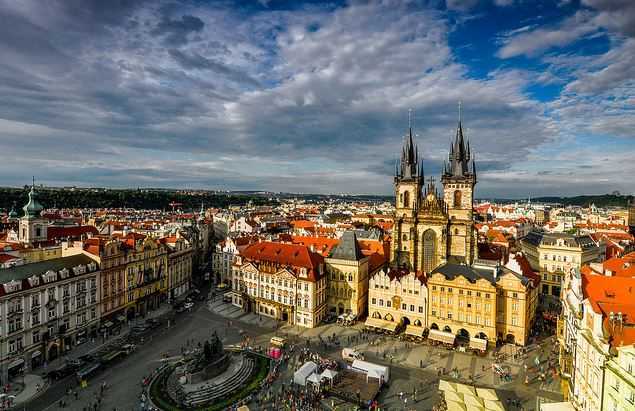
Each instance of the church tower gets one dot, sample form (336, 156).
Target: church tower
(32, 225)
(459, 179)
(408, 184)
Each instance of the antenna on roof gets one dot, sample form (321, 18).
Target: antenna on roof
(409, 118)
(460, 114)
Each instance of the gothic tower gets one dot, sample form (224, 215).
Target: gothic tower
(408, 184)
(459, 179)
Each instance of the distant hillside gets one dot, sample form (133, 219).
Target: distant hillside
(604, 200)
(140, 199)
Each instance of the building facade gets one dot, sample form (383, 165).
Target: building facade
(347, 270)
(489, 302)
(555, 254)
(180, 255)
(146, 273)
(46, 308)
(398, 297)
(286, 282)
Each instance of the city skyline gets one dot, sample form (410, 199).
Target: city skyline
(314, 97)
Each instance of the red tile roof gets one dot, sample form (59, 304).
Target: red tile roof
(280, 254)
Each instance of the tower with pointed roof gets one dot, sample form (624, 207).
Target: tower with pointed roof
(408, 185)
(32, 225)
(458, 179)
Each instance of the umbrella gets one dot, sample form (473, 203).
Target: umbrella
(447, 386)
(487, 394)
(494, 405)
(456, 406)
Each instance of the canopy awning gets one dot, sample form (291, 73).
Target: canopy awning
(35, 353)
(121, 318)
(442, 336)
(414, 330)
(16, 363)
(389, 326)
(478, 343)
(374, 322)
(108, 324)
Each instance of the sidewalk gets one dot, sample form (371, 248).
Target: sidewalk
(31, 382)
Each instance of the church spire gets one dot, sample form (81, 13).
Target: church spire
(409, 154)
(459, 154)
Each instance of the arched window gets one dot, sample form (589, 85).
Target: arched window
(429, 247)
(405, 237)
(406, 199)
(457, 199)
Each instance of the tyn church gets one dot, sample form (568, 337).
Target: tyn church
(433, 229)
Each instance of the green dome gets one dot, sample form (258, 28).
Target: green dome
(33, 208)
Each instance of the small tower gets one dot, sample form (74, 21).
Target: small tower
(459, 179)
(408, 185)
(32, 225)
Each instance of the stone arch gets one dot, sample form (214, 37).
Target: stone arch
(510, 338)
(340, 308)
(481, 335)
(405, 320)
(53, 352)
(376, 314)
(447, 329)
(406, 199)
(417, 323)
(434, 326)
(463, 333)
(457, 199)
(389, 317)
(429, 250)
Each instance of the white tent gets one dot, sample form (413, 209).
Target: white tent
(380, 372)
(300, 376)
(329, 374)
(314, 379)
(447, 386)
(487, 394)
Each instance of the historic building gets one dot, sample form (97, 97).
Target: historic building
(46, 308)
(398, 299)
(432, 229)
(486, 301)
(180, 254)
(146, 273)
(555, 254)
(283, 281)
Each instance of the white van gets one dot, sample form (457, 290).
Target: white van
(350, 355)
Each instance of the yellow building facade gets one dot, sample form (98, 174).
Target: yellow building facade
(146, 273)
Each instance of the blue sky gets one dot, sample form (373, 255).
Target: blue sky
(314, 96)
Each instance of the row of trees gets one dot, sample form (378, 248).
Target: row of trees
(139, 199)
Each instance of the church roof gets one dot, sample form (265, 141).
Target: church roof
(347, 249)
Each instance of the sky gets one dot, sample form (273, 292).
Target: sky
(314, 97)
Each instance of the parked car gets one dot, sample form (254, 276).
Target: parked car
(139, 329)
(188, 305)
(180, 309)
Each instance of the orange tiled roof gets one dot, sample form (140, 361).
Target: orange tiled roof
(322, 245)
(291, 255)
(621, 266)
(303, 224)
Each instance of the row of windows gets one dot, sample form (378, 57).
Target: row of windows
(405, 291)
(404, 306)
(450, 290)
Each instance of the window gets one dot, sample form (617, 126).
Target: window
(434, 287)
(514, 320)
(449, 315)
(35, 319)
(469, 292)
(478, 294)
(420, 309)
(412, 307)
(52, 313)
(461, 292)
(449, 289)
(374, 301)
(487, 295)
(429, 257)
(457, 199)
(381, 302)
(433, 313)
(403, 307)
(36, 336)
(388, 303)
(35, 300)
(406, 199)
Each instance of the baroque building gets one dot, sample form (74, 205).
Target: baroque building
(432, 229)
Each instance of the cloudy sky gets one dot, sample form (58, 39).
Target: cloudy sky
(314, 96)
